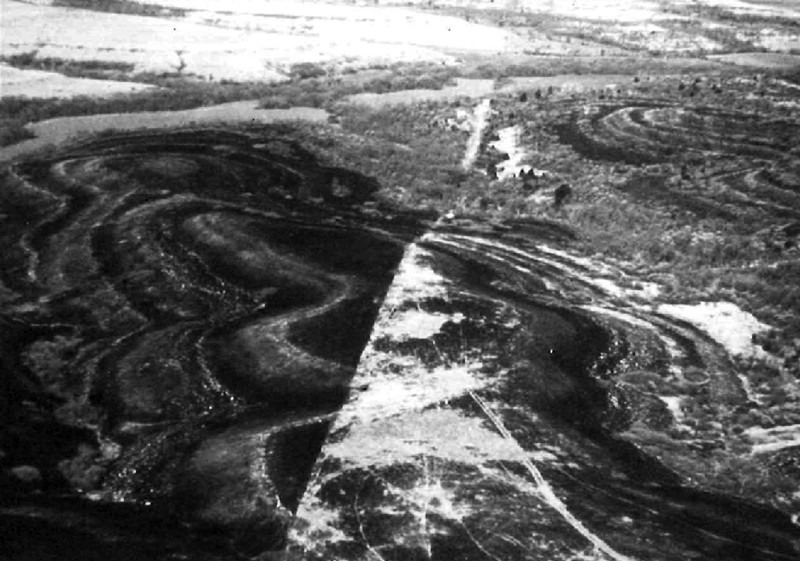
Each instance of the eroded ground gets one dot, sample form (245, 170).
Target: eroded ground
(548, 309)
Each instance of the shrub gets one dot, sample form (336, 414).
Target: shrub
(306, 70)
(122, 7)
(12, 131)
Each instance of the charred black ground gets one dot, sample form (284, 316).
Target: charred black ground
(181, 312)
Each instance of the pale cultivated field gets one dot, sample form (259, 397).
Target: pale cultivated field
(475, 88)
(260, 40)
(624, 10)
(608, 10)
(774, 40)
(762, 60)
(463, 87)
(249, 41)
(36, 83)
(780, 8)
(649, 25)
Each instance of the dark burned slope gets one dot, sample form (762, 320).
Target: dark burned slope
(180, 313)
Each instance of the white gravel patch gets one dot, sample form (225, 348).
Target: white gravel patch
(724, 322)
(416, 324)
(774, 439)
(478, 123)
(394, 383)
(609, 286)
(509, 143)
(414, 281)
(674, 404)
(414, 388)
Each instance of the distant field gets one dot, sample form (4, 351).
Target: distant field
(761, 60)
(225, 45)
(36, 83)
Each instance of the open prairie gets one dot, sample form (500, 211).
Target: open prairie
(378, 280)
